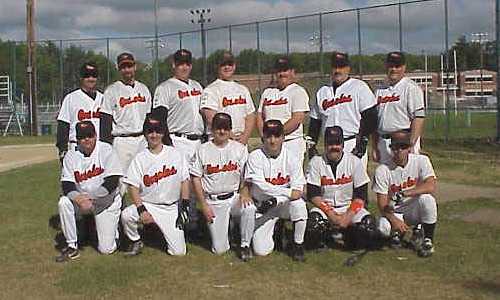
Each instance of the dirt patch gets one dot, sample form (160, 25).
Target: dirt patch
(485, 216)
(17, 156)
(447, 191)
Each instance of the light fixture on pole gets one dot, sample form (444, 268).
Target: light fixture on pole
(481, 38)
(200, 17)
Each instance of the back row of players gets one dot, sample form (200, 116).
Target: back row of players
(155, 148)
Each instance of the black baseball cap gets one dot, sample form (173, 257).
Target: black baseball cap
(89, 69)
(125, 59)
(85, 129)
(153, 123)
(226, 58)
(183, 56)
(400, 138)
(282, 64)
(340, 60)
(395, 58)
(273, 128)
(222, 121)
(334, 135)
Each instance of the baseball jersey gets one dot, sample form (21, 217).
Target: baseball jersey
(271, 177)
(278, 104)
(396, 178)
(78, 106)
(182, 101)
(337, 189)
(398, 105)
(229, 97)
(343, 107)
(158, 176)
(220, 169)
(88, 172)
(128, 105)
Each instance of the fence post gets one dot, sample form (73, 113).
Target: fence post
(61, 69)
(497, 50)
(400, 21)
(287, 32)
(321, 44)
(447, 65)
(257, 29)
(108, 67)
(230, 31)
(358, 18)
(180, 40)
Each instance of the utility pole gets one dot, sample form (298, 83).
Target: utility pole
(31, 65)
(201, 19)
(480, 38)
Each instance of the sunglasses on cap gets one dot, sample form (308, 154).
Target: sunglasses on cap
(155, 128)
(84, 135)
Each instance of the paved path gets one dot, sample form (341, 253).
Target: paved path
(17, 156)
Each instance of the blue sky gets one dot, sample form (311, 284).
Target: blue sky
(422, 23)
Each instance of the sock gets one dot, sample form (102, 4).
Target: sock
(429, 230)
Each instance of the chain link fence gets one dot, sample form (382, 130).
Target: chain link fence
(366, 33)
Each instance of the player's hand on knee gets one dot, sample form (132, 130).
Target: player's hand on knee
(399, 226)
(245, 201)
(146, 218)
(208, 213)
(183, 214)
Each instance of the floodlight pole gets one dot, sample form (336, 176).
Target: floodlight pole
(201, 13)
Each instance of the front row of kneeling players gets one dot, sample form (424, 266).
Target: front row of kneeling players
(256, 190)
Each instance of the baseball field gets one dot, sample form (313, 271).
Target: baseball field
(466, 264)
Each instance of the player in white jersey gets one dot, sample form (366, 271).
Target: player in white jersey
(227, 95)
(177, 100)
(400, 107)
(288, 103)
(348, 103)
(404, 194)
(216, 175)
(126, 103)
(79, 105)
(90, 177)
(274, 183)
(158, 182)
(337, 185)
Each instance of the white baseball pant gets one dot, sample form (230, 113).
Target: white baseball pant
(106, 224)
(126, 148)
(164, 216)
(297, 147)
(386, 152)
(296, 211)
(188, 148)
(223, 210)
(342, 210)
(421, 209)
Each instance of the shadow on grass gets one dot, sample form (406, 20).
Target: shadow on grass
(483, 285)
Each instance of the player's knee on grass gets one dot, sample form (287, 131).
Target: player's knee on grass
(178, 250)
(107, 247)
(428, 209)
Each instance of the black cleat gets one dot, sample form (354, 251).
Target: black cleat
(245, 254)
(68, 254)
(427, 248)
(135, 248)
(298, 253)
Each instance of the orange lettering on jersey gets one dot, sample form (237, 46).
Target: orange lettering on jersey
(195, 92)
(279, 180)
(164, 173)
(228, 101)
(229, 167)
(127, 101)
(326, 104)
(404, 185)
(341, 180)
(385, 99)
(87, 115)
(85, 175)
(280, 101)
(182, 94)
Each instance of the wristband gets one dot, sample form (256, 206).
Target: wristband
(141, 208)
(356, 205)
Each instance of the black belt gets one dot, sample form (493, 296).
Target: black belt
(224, 196)
(349, 138)
(192, 137)
(72, 142)
(388, 135)
(136, 134)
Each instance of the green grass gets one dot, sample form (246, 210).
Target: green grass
(22, 140)
(465, 265)
(462, 125)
